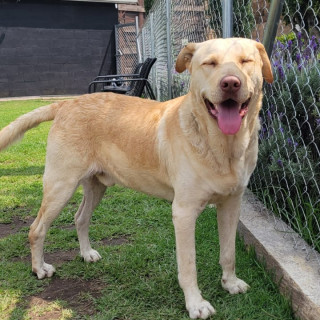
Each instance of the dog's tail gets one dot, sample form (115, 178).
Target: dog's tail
(16, 129)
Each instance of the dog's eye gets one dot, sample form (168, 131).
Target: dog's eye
(211, 63)
(244, 61)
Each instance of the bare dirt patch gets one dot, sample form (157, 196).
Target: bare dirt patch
(13, 227)
(39, 309)
(64, 296)
(78, 295)
(115, 241)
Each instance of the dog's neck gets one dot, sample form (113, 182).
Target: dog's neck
(209, 143)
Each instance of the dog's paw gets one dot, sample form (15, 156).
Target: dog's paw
(234, 285)
(201, 310)
(91, 255)
(46, 271)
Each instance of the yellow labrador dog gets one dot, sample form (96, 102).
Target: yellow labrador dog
(193, 150)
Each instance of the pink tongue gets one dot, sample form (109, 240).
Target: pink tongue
(229, 119)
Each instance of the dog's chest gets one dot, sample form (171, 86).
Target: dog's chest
(234, 177)
(235, 165)
(229, 175)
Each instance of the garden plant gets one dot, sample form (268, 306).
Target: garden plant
(287, 177)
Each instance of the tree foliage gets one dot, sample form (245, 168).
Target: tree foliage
(305, 14)
(148, 5)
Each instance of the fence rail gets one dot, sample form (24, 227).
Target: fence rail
(287, 177)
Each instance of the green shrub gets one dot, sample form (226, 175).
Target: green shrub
(287, 177)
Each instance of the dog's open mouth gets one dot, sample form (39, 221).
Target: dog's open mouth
(228, 113)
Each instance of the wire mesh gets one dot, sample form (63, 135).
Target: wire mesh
(287, 177)
(188, 24)
(126, 48)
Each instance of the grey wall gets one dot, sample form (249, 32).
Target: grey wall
(54, 47)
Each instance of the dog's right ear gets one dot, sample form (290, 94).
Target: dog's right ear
(184, 58)
(266, 67)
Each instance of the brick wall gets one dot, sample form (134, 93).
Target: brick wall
(58, 53)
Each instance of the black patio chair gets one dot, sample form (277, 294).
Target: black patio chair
(130, 84)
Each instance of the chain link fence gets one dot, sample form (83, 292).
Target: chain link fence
(126, 48)
(287, 177)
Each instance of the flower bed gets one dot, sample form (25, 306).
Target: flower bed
(287, 177)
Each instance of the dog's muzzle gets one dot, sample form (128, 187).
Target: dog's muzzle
(228, 113)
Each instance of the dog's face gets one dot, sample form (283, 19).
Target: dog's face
(226, 78)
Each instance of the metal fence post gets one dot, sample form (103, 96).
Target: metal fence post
(137, 41)
(272, 25)
(153, 70)
(143, 41)
(152, 34)
(168, 9)
(227, 18)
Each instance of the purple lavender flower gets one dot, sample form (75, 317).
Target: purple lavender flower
(280, 163)
(276, 63)
(289, 44)
(270, 132)
(298, 58)
(313, 44)
(262, 133)
(307, 54)
(300, 41)
(269, 114)
(281, 129)
(292, 143)
(281, 72)
(318, 122)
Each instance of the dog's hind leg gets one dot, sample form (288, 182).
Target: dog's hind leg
(93, 191)
(56, 193)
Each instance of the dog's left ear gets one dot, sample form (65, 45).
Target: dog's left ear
(184, 58)
(266, 67)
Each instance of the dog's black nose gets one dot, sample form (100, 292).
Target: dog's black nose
(230, 84)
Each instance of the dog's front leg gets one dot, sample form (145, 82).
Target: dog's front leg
(228, 217)
(184, 220)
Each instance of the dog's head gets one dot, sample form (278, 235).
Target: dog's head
(226, 78)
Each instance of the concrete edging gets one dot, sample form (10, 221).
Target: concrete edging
(298, 278)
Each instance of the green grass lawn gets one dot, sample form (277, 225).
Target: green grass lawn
(136, 278)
